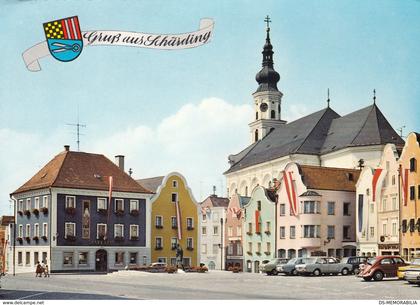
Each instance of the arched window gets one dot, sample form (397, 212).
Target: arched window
(256, 135)
(256, 115)
(246, 191)
(273, 114)
(279, 110)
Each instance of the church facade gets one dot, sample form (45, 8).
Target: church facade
(323, 138)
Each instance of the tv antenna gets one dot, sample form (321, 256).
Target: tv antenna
(400, 130)
(78, 126)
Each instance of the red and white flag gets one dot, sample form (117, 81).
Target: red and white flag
(404, 183)
(378, 177)
(178, 220)
(291, 193)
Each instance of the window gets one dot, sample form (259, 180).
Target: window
(174, 197)
(372, 208)
(119, 205)
(36, 230)
(282, 209)
(36, 203)
(36, 257)
(174, 183)
(215, 230)
(118, 230)
(102, 204)
(331, 232)
(250, 227)
(28, 258)
(384, 204)
(393, 180)
(158, 222)
(239, 249)
(204, 249)
(20, 231)
(394, 228)
(44, 257)
(101, 230)
(310, 207)
(311, 231)
(387, 261)
(412, 192)
(45, 229)
(230, 249)
(384, 229)
(282, 232)
(268, 247)
(20, 262)
(273, 114)
(83, 258)
(45, 203)
(258, 247)
(249, 246)
(372, 231)
(215, 248)
(404, 225)
(134, 205)
(161, 260)
(346, 208)
(70, 202)
(190, 244)
(28, 230)
(239, 231)
(119, 258)
(203, 230)
(230, 231)
(331, 208)
(267, 226)
(133, 257)
(158, 243)
(20, 208)
(413, 165)
(394, 203)
(134, 231)
(174, 242)
(259, 205)
(68, 258)
(69, 229)
(174, 222)
(204, 217)
(292, 232)
(346, 232)
(190, 224)
(28, 204)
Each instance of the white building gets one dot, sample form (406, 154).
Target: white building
(212, 238)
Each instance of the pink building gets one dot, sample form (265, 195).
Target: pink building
(316, 211)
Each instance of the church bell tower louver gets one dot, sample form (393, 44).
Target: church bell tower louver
(267, 98)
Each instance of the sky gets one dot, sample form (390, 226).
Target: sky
(187, 110)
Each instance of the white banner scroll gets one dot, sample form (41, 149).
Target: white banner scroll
(32, 55)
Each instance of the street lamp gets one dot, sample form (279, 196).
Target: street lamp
(221, 243)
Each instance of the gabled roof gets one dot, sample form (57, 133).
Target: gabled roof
(329, 178)
(151, 184)
(80, 170)
(218, 201)
(243, 200)
(319, 133)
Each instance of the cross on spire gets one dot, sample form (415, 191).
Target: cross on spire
(328, 97)
(374, 96)
(267, 20)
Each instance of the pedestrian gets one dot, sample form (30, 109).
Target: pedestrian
(46, 271)
(39, 270)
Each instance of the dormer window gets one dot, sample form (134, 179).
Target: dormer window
(413, 165)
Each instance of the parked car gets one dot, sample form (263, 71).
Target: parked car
(290, 267)
(415, 263)
(355, 261)
(157, 267)
(270, 267)
(323, 265)
(363, 265)
(382, 266)
(263, 263)
(412, 275)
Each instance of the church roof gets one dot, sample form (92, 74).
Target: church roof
(319, 133)
(80, 170)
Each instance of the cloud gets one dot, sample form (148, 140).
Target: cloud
(195, 141)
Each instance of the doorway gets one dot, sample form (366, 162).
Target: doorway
(101, 260)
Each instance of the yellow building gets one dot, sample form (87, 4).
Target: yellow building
(410, 197)
(171, 192)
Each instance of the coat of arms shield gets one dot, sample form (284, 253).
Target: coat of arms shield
(64, 38)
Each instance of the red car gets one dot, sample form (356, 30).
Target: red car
(382, 266)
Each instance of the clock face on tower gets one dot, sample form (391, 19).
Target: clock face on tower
(263, 107)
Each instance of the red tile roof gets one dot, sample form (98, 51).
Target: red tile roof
(330, 178)
(81, 170)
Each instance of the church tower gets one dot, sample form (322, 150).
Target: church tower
(267, 98)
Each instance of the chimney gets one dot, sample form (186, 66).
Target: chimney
(66, 147)
(119, 160)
